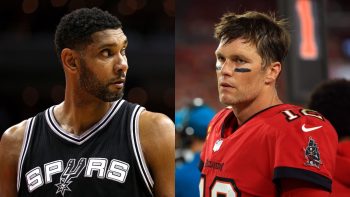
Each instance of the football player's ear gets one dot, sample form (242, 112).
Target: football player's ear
(273, 71)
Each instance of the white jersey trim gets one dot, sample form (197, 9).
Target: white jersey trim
(135, 138)
(58, 130)
(25, 144)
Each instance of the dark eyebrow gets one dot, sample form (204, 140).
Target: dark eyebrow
(243, 57)
(125, 43)
(219, 54)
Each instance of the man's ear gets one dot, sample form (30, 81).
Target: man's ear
(68, 58)
(273, 71)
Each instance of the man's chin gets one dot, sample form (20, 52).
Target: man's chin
(112, 97)
(228, 101)
(225, 100)
(117, 97)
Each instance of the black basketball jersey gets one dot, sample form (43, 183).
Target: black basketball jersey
(106, 160)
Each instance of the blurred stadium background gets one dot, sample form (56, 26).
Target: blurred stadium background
(31, 79)
(322, 24)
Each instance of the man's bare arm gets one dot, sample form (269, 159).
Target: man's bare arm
(10, 148)
(157, 134)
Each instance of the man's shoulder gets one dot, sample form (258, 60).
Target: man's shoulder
(11, 142)
(153, 120)
(287, 114)
(15, 132)
(156, 126)
(299, 119)
(157, 137)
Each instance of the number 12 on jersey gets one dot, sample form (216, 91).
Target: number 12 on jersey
(293, 115)
(220, 187)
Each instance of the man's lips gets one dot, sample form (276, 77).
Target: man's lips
(118, 83)
(226, 85)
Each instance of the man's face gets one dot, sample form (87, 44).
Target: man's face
(104, 65)
(239, 72)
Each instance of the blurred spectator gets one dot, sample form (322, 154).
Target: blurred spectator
(191, 125)
(332, 99)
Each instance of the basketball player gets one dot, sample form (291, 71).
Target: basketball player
(258, 146)
(331, 98)
(94, 143)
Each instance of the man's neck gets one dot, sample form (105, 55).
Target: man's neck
(246, 110)
(76, 118)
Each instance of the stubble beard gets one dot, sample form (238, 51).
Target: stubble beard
(89, 82)
(234, 99)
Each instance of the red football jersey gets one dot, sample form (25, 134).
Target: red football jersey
(283, 141)
(341, 183)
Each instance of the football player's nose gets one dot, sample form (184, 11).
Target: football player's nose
(226, 68)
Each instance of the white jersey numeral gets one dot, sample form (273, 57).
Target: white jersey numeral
(220, 186)
(224, 188)
(292, 115)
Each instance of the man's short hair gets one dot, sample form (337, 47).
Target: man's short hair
(269, 35)
(75, 29)
(331, 99)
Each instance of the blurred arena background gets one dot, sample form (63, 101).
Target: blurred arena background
(31, 79)
(325, 25)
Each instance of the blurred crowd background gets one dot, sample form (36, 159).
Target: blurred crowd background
(31, 78)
